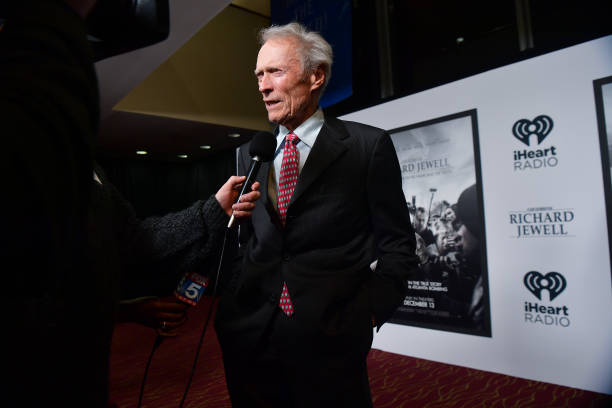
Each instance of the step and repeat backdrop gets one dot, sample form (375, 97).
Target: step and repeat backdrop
(507, 177)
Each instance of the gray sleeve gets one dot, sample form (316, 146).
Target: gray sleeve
(189, 235)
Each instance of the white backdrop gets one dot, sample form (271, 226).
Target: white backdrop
(573, 345)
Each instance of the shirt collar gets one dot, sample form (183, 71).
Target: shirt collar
(307, 131)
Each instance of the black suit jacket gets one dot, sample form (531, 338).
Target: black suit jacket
(347, 210)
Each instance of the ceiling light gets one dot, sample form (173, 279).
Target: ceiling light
(141, 152)
(182, 156)
(234, 135)
(206, 147)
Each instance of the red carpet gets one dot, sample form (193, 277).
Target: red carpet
(396, 381)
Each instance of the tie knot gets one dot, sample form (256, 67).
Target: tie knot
(292, 138)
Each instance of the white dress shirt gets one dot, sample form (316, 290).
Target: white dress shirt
(307, 132)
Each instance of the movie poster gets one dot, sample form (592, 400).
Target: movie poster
(441, 182)
(603, 103)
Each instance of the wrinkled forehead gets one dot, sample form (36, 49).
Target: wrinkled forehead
(279, 52)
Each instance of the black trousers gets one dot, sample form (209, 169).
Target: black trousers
(277, 376)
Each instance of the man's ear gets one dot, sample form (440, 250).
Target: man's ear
(317, 78)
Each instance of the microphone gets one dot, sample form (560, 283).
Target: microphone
(261, 150)
(192, 285)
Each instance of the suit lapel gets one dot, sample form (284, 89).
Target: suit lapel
(263, 179)
(327, 148)
(269, 195)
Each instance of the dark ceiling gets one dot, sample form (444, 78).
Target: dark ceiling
(164, 139)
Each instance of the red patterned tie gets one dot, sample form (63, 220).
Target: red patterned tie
(285, 301)
(288, 179)
(288, 175)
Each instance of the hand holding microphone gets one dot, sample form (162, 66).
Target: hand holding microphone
(261, 150)
(227, 196)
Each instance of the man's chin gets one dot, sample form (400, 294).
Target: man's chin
(274, 118)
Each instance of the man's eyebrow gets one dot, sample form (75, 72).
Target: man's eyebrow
(266, 69)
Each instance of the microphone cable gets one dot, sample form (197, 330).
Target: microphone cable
(208, 316)
(158, 341)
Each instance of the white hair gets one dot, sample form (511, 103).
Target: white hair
(313, 50)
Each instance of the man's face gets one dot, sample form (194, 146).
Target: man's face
(287, 92)
(468, 242)
(419, 221)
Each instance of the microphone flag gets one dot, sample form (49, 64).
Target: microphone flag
(191, 287)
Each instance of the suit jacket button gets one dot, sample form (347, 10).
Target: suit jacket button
(286, 257)
(273, 298)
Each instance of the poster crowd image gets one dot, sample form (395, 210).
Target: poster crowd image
(440, 168)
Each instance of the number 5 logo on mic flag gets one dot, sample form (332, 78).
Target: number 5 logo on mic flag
(190, 288)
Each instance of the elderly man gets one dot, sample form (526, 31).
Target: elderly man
(296, 323)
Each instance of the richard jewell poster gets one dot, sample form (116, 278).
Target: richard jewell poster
(441, 182)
